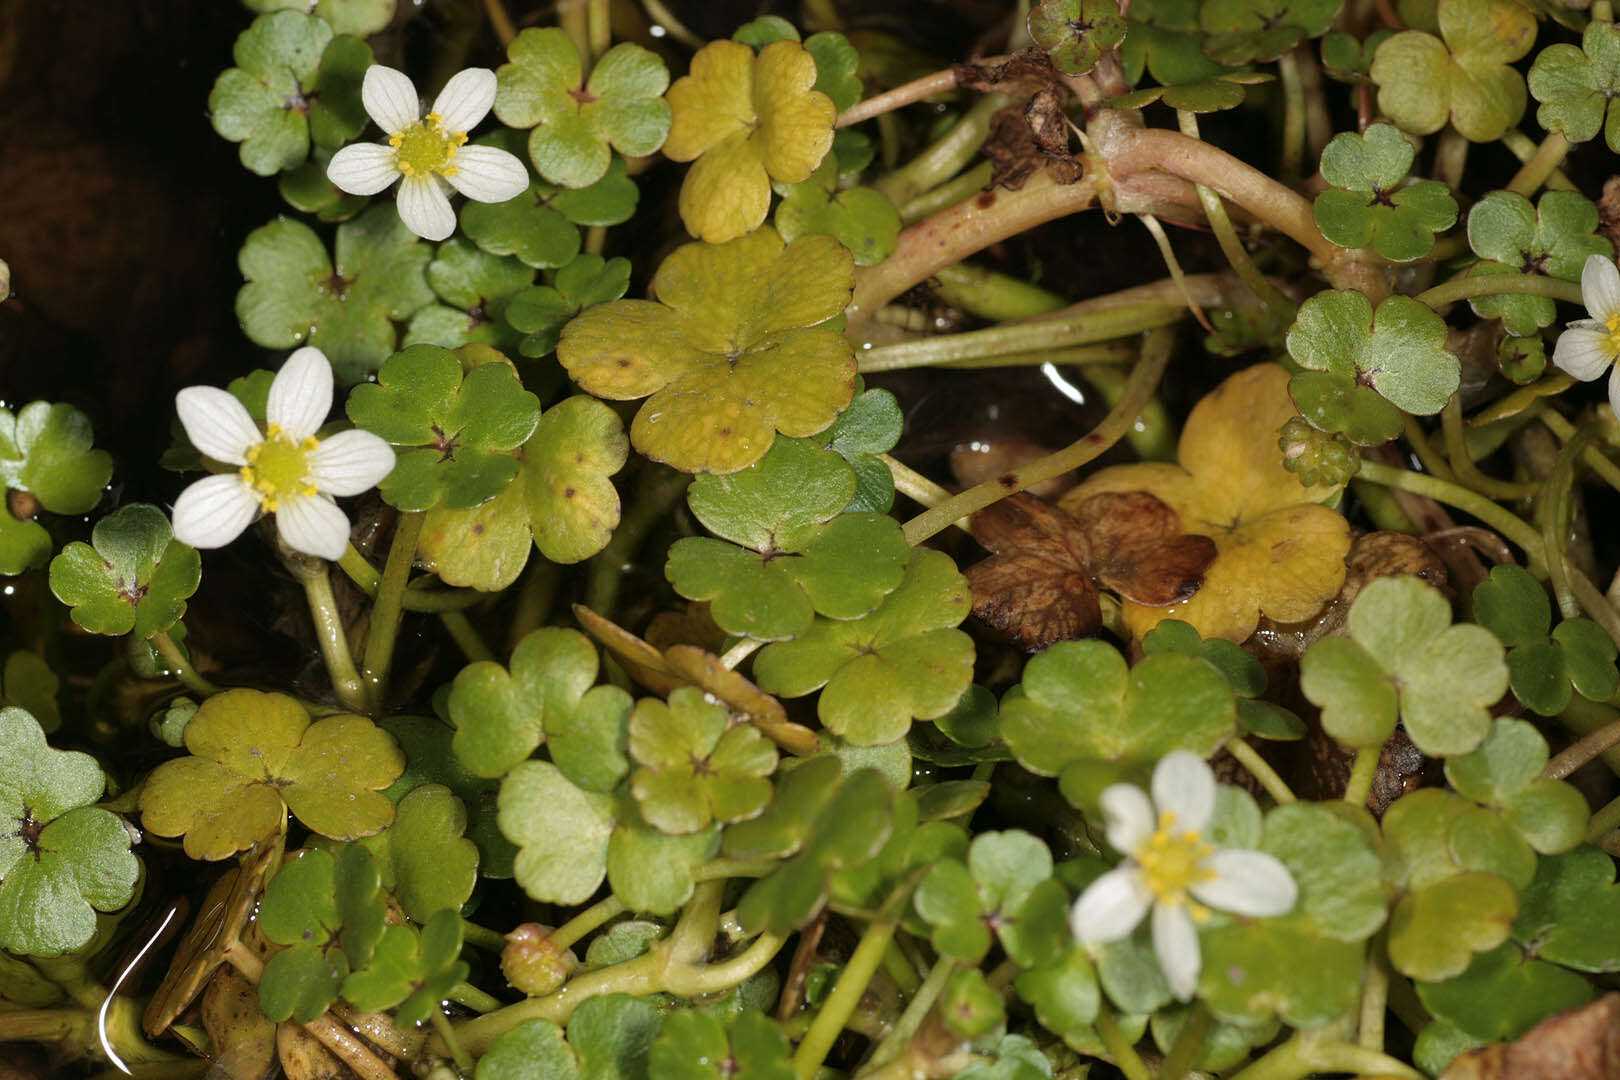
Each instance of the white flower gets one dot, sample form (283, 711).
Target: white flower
(285, 470)
(1588, 346)
(1166, 860)
(428, 151)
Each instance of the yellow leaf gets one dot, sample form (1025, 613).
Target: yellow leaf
(796, 122)
(714, 100)
(1278, 550)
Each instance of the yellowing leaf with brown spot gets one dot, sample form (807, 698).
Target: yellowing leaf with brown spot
(1278, 550)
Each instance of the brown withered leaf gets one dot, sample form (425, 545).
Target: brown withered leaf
(1582, 1044)
(1608, 210)
(1040, 586)
(1014, 152)
(1023, 74)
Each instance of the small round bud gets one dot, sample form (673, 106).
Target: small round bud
(532, 964)
(1317, 457)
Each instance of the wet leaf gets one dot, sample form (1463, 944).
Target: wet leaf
(1370, 202)
(699, 1046)
(1075, 33)
(411, 970)
(861, 218)
(541, 311)
(1462, 76)
(1576, 86)
(133, 577)
(693, 766)
(475, 287)
(1241, 31)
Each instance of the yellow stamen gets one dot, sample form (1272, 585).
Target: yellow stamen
(426, 148)
(1172, 862)
(278, 467)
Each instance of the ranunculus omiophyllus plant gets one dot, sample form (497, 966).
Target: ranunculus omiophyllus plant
(1172, 870)
(284, 470)
(1588, 346)
(428, 154)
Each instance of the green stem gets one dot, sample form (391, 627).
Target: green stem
(691, 981)
(599, 27)
(1450, 157)
(1581, 751)
(572, 17)
(910, 93)
(1362, 775)
(500, 21)
(1605, 821)
(1184, 1051)
(180, 667)
(586, 921)
(1153, 436)
(461, 631)
(1293, 136)
(846, 995)
(482, 937)
(1542, 164)
(1462, 463)
(916, 1010)
(899, 968)
(1425, 451)
(740, 652)
(1077, 328)
(1509, 525)
(1592, 456)
(951, 192)
(1524, 148)
(946, 157)
(1554, 509)
(1382, 507)
(992, 295)
(47, 1025)
(1298, 1058)
(1374, 1000)
(1220, 223)
(1124, 1054)
(660, 15)
(657, 490)
(1261, 770)
(535, 599)
(471, 997)
(363, 574)
(388, 606)
(458, 1053)
(1462, 288)
(1143, 382)
(331, 636)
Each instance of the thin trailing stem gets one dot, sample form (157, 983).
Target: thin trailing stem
(1450, 157)
(1462, 463)
(948, 156)
(1554, 510)
(388, 606)
(467, 639)
(1259, 768)
(180, 666)
(535, 599)
(1048, 332)
(662, 16)
(500, 21)
(1226, 236)
(1124, 1054)
(951, 192)
(1605, 821)
(916, 1011)
(1541, 166)
(1362, 775)
(1449, 292)
(1524, 148)
(851, 986)
(1594, 458)
(1168, 254)
(1189, 1041)
(906, 94)
(458, 1053)
(657, 490)
(1300, 1056)
(1293, 133)
(1143, 382)
(1581, 751)
(1455, 495)
(1374, 999)
(586, 922)
(599, 27)
(364, 575)
(331, 636)
(740, 652)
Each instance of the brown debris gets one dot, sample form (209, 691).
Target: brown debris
(1582, 1044)
(1040, 586)
(1609, 210)
(1026, 139)
(1023, 74)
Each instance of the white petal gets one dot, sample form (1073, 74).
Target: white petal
(488, 174)
(1248, 883)
(216, 423)
(1110, 907)
(1583, 352)
(465, 99)
(424, 208)
(1130, 816)
(1175, 943)
(1614, 391)
(350, 462)
(214, 511)
(1184, 785)
(314, 525)
(363, 168)
(390, 99)
(301, 394)
(1600, 287)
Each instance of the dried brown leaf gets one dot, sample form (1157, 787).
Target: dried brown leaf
(1582, 1044)
(1138, 549)
(1014, 152)
(1023, 74)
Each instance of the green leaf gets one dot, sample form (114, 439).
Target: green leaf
(865, 431)
(1401, 652)
(255, 756)
(1435, 930)
(562, 832)
(1503, 994)
(1368, 202)
(1241, 31)
(1078, 702)
(902, 662)
(262, 103)
(576, 120)
(135, 578)
(1075, 33)
(359, 17)
(423, 857)
(699, 1046)
(502, 715)
(295, 295)
(1463, 76)
(1399, 350)
(861, 218)
(694, 766)
(463, 427)
(61, 859)
(1062, 990)
(429, 759)
(735, 324)
(562, 502)
(413, 971)
(45, 451)
(1553, 239)
(541, 311)
(613, 1036)
(533, 1050)
(1576, 87)
(837, 64)
(1006, 885)
(475, 287)
(28, 682)
(969, 1006)
(1569, 909)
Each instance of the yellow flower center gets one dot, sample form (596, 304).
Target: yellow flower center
(426, 148)
(1172, 862)
(1612, 324)
(278, 468)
